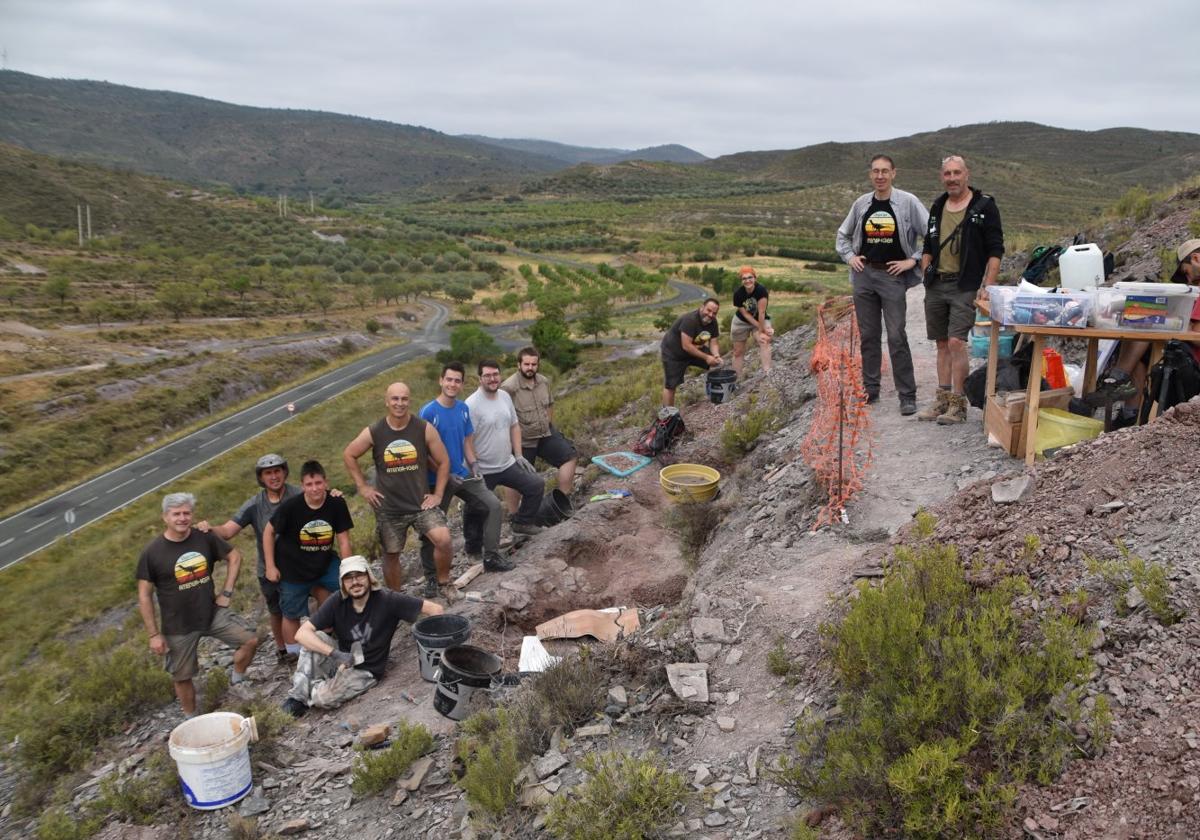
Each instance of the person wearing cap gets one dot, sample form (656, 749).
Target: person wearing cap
(271, 472)
(750, 318)
(880, 239)
(1125, 378)
(345, 643)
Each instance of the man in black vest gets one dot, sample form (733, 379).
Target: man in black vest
(963, 247)
(404, 447)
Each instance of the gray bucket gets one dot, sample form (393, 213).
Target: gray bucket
(556, 507)
(720, 385)
(464, 670)
(434, 634)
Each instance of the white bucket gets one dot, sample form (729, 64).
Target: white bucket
(1081, 267)
(211, 752)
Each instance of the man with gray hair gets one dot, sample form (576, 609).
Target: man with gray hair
(177, 567)
(880, 239)
(963, 247)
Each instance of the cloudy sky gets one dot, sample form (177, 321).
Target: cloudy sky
(720, 77)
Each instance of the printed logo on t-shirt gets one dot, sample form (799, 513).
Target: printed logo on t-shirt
(361, 632)
(880, 228)
(400, 456)
(317, 535)
(702, 338)
(191, 569)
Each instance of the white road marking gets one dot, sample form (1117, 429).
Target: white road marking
(231, 431)
(152, 469)
(122, 484)
(206, 443)
(7, 541)
(89, 501)
(39, 525)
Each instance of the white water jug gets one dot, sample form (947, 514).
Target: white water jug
(1081, 267)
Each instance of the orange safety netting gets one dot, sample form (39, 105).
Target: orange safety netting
(837, 446)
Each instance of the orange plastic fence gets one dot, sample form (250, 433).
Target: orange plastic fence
(838, 446)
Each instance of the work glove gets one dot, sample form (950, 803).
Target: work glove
(523, 463)
(341, 657)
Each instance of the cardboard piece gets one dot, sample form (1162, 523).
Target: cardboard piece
(607, 625)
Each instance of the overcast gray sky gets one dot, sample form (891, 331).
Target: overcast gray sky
(720, 77)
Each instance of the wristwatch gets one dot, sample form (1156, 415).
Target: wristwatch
(227, 593)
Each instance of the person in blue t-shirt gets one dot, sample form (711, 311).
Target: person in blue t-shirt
(481, 508)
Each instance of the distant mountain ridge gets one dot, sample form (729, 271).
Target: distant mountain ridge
(572, 155)
(201, 140)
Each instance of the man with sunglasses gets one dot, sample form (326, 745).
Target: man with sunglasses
(963, 246)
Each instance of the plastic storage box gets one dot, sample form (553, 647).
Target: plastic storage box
(1057, 428)
(1049, 310)
(1153, 306)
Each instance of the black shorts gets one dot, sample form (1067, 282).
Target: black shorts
(674, 370)
(554, 449)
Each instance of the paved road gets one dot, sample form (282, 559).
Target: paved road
(36, 527)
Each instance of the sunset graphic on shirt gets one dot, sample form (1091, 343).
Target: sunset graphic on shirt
(316, 535)
(881, 226)
(398, 455)
(190, 566)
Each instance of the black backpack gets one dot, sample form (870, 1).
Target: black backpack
(661, 435)
(1175, 379)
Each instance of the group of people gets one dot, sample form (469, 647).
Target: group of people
(692, 341)
(451, 448)
(892, 243)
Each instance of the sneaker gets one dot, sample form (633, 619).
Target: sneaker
(956, 411)
(294, 707)
(431, 590)
(908, 406)
(941, 402)
(527, 529)
(1115, 386)
(493, 562)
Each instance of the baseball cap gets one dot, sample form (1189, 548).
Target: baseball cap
(1182, 253)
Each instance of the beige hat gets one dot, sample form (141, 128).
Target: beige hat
(355, 563)
(1182, 253)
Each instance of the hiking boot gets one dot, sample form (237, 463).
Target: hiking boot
(872, 397)
(527, 529)
(493, 562)
(908, 406)
(294, 707)
(282, 657)
(1115, 386)
(474, 557)
(956, 411)
(941, 402)
(431, 589)
(450, 593)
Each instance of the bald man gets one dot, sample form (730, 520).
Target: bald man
(404, 447)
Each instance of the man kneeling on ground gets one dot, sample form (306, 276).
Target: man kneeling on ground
(364, 618)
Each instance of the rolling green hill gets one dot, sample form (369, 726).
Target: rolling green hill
(259, 149)
(571, 155)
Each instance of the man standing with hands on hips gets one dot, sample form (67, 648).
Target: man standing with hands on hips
(963, 247)
(880, 239)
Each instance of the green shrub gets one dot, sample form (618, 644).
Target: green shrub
(56, 824)
(374, 770)
(740, 433)
(487, 747)
(949, 700)
(786, 319)
(778, 661)
(693, 523)
(216, 683)
(140, 798)
(625, 798)
(1128, 571)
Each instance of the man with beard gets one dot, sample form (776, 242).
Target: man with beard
(363, 618)
(688, 344)
(963, 247)
(530, 392)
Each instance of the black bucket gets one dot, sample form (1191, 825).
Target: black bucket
(556, 506)
(464, 670)
(720, 384)
(434, 634)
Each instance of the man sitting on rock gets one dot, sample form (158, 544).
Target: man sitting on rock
(364, 618)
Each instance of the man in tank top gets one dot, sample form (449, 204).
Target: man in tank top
(404, 447)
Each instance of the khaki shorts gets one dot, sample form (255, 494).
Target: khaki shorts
(393, 527)
(949, 312)
(182, 651)
(739, 330)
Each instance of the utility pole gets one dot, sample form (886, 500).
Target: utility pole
(79, 222)
(89, 222)
(311, 206)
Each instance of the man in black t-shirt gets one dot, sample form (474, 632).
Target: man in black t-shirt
(298, 547)
(750, 317)
(690, 342)
(177, 566)
(363, 618)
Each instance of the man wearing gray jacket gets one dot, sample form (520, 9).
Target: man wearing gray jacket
(881, 240)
